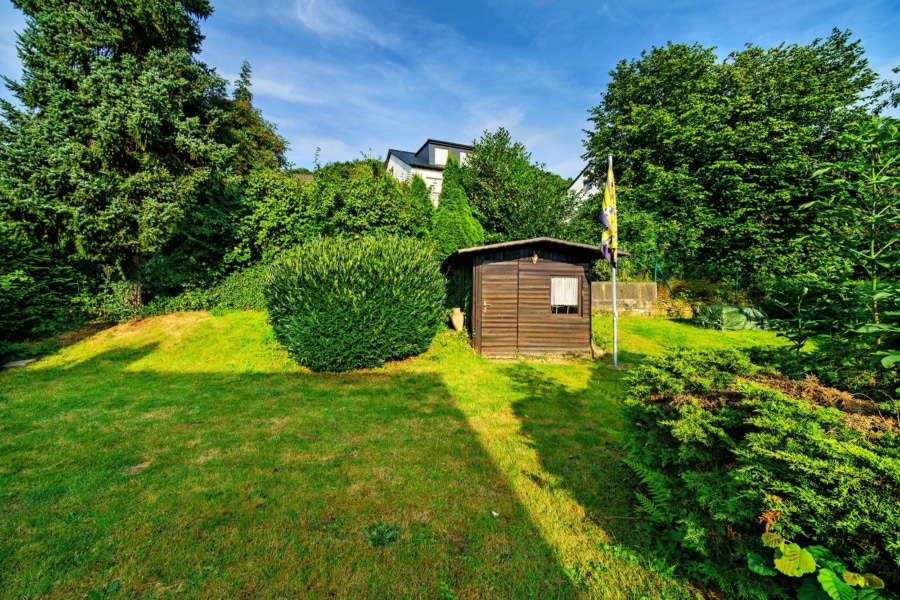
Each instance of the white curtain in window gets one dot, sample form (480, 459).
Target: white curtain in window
(564, 291)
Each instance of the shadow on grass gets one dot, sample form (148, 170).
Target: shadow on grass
(576, 435)
(245, 484)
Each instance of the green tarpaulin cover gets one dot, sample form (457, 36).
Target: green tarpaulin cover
(732, 318)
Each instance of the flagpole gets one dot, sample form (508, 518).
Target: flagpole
(615, 310)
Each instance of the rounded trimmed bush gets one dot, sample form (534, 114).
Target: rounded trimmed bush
(338, 305)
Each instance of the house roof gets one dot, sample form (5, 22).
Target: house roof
(580, 173)
(412, 160)
(541, 242)
(440, 143)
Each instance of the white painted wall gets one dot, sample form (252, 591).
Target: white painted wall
(434, 180)
(582, 188)
(439, 155)
(399, 169)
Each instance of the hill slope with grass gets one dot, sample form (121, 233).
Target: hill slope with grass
(187, 456)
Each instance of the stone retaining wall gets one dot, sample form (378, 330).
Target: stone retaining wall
(630, 297)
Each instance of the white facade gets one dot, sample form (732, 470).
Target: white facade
(583, 188)
(428, 163)
(399, 169)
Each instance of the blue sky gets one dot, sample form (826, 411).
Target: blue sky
(358, 77)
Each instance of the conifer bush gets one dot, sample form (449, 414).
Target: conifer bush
(344, 304)
(453, 225)
(724, 452)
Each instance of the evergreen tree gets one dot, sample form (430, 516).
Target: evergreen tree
(242, 87)
(258, 144)
(421, 204)
(118, 138)
(454, 227)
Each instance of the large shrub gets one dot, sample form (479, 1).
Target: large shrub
(725, 453)
(338, 305)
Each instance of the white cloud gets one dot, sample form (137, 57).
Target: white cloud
(280, 91)
(331, 19)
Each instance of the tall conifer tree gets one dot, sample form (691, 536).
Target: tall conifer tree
(454, 227)
(116, 139)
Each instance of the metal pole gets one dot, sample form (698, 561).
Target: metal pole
(615, 322)
(614, 307)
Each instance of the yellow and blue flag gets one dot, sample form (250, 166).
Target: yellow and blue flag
(609, 239)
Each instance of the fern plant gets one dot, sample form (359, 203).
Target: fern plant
(656, 504)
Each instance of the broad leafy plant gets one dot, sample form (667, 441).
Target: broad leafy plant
(828, 576)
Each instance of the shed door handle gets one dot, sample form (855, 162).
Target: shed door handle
(486, 306)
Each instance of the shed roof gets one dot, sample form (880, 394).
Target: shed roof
(541, 242)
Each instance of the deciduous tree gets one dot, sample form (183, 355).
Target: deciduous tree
(512, 197)
(720, 153)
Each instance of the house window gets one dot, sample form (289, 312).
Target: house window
(564, 295)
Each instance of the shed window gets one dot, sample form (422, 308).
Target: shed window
(564, 295)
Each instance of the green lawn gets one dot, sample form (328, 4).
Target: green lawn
(185, 456)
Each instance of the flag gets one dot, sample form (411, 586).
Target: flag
(609, 239)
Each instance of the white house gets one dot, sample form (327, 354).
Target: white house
(582, 187)
(427, 162)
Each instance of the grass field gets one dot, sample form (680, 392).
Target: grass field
(186, 456)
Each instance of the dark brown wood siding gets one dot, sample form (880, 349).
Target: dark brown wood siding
(511, 304)
(541, 331)
(498, 307)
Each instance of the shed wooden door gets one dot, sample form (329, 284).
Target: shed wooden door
(499, 327)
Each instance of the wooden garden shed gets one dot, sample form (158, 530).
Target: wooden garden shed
(528, 297)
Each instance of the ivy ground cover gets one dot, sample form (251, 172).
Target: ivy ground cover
(186, 456)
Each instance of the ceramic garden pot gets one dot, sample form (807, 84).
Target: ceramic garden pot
(456, 317)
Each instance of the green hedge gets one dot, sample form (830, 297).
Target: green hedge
(338, 305)
(717, 449)
(241, 290)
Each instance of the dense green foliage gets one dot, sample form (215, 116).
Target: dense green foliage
(37, 293)
(853, 309)
(124, 151)
(240, 290)
(421, 205)
(278, 215)
(723, 458)
(360, 198)
(286, 208)
(260, 147)
(512, 197)
(453, 226)
(714, 158)
(344, 304)
(115, 142)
